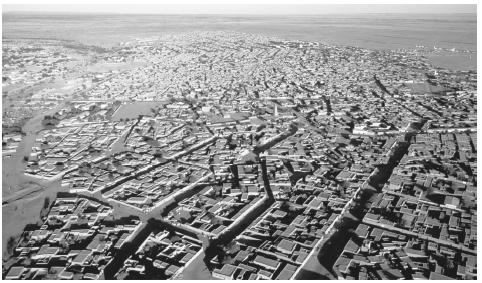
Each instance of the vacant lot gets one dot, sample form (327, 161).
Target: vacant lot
(134, 109)
(422, 88)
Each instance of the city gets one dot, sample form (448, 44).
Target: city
(227, 155)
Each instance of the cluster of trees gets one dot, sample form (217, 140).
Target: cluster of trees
(11, 244)
(50, 121)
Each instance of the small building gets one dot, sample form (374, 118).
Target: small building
(265, 262)
(225, 273)
(286, 246)
(15, 273)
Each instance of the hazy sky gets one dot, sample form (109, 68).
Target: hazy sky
(246, 9)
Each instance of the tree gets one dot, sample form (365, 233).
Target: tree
(10, 245)
(46, 202)
(44, 211)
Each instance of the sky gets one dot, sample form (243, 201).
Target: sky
(245, 9)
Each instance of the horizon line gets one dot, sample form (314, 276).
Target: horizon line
(220, 13)
(246, 9)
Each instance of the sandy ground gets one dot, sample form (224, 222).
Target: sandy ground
(459, 62)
